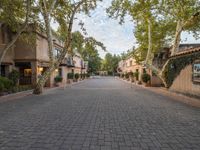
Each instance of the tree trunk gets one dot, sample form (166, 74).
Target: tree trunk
(149, 52)
(177, 40)
(40, 84)
(149, 56)
(23, 27)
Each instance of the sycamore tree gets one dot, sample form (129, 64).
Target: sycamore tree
(63, 12)
(16, 15)
(157, 23)
(90, 53)
(110, 63)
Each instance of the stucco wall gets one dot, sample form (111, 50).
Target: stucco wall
(23, 50)
(10, 53)
(77, 61)
(42, 48)
(183, 83)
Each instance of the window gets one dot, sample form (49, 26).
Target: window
(27, 72)
(56, 52)
(196, 72)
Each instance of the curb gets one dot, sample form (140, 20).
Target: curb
(173, 95)
(22, 94)
(15, 96)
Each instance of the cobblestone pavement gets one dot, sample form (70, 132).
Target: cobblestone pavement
(102, 113)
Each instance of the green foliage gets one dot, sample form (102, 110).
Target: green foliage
(88, 48)
(1, 87)
(177, 64)
(6, 83)
(87, 75)
(76, 76)
(127, 76)
(58, 79)
(110, 63)
(131, 74)
(136, 75)
(122, 75)
(146, 78)
(70, 75)
(21, 88)
(12, 12)
(163, 17)
(14, 76)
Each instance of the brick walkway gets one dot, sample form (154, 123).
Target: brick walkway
(102, 113)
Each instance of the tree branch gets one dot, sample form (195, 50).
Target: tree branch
(22, 28)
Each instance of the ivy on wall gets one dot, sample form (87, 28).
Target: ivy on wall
(176, 64)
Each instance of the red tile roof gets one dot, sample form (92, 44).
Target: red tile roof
(187, 51)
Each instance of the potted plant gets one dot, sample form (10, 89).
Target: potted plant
(131, 75)
(58, 80)
(127, 76)
(76, 76)
(87, 75)
(122, 76)
(136, 76)
(70, 77)
(146, 79)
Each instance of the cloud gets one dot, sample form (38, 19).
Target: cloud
(117, 38)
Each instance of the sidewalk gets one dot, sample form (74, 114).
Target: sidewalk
(22, 94)
(175, 96)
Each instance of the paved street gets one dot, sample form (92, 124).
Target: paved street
(100, 113)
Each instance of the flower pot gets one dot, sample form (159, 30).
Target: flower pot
(58, 84)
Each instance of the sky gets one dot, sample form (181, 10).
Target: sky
(117, 38)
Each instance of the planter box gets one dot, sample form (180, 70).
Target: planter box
(58, 84)
(69, 81)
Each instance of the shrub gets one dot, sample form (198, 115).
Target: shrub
(1, 87)
(146, 78)
(88, 75)
(70, 75)
(126, 75)
(14, 76)
(136, 74)
(7, 84)
(58, 79)
(131, 74)
(21, 88)
(76, 76)
(122, 75)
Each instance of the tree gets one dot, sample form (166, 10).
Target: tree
(155, 22)
(110, 63)
(185, 15)
(63, 12)
(15, 14)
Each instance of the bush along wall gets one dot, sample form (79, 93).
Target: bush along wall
(176, 64)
